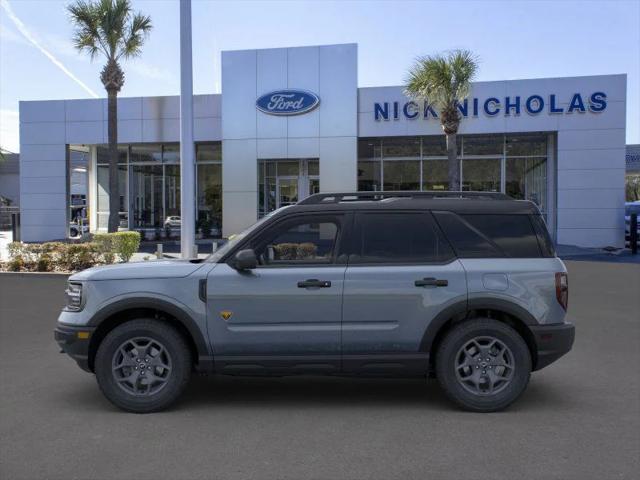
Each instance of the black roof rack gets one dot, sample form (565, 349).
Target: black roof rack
(320, 198)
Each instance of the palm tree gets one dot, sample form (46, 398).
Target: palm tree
(444, 81)
(112, 29)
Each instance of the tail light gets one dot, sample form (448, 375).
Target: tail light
(562, 289)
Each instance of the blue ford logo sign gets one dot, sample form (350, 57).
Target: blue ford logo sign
(287, 102)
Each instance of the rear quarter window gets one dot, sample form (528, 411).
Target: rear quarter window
(490, 235)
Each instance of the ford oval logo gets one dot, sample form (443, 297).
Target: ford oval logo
(287, 102)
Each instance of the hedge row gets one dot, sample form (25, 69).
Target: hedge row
(104, 248)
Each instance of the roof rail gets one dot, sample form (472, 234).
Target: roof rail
(319, 198)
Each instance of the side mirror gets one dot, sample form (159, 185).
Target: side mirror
(245, 260)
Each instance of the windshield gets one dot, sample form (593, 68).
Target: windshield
(235, 239)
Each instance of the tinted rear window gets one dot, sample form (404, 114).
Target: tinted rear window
(489, 235)
(398, 238)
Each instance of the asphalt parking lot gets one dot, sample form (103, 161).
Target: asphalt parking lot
(579, 419)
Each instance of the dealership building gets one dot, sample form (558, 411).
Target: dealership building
(292, 121)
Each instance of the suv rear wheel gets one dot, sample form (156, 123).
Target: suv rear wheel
(143, 365)
(483, 365)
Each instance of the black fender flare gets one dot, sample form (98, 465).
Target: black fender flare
(460, 309)
(205, 359)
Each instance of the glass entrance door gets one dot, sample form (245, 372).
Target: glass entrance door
(287, 191)
(283, 182)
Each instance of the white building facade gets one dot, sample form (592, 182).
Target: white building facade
(291, 122)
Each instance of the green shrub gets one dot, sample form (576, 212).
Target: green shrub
(126, 244)
(44, 263)
(16, 264)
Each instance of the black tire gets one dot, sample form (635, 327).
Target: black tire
(176, 378)
(448, 371)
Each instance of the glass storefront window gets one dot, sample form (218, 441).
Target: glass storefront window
(144, 153)
(102, 203)
(433, 146)
(171, 153)
(172, 190)
(146, 192)
(481, 175)
(369, 148)
(402, 175)
(435, 175)
(526, 145)
(209, 202)
(209, 152)
(482, 145)
(369, 176)
(526, 179)
(401, 147)
(102, 154)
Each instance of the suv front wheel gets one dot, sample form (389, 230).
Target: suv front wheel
(483, 365)
(143, 365)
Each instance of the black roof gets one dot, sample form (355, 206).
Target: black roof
(458, 202)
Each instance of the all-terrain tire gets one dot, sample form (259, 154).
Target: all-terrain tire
(450, 372)
(169, 381)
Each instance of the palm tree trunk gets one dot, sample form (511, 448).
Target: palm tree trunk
(114, 194)
(454, 164)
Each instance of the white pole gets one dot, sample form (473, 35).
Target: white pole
(187, 147)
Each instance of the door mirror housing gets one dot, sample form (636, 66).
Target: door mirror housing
(245, 260)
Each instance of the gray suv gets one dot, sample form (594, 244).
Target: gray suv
(465, 287)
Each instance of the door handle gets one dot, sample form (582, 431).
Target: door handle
(314, 283)
(431, 282)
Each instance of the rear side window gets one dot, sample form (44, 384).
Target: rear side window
(398, 238)
(489, 235)
(544, 240)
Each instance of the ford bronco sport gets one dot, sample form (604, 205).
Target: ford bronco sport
(464, 286)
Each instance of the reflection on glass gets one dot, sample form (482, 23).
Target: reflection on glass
(313, 167)
(526, 179)
(146, 152)
(171, 153)
(433, 146)
(146, 190)
(526, 144)
(402, 175)
(103, 195)
(209, 152)
(435, 175)
(209, 196)
(369, 148)
(481, 175)
(102, 154)
(401, 147)
(172, 190)
(369, 176)
(483, 144)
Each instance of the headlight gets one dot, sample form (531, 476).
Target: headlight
(74, 297)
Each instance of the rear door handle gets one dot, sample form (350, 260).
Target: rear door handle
(314, 283)
(431, 282)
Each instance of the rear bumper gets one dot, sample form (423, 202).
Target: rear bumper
(552, 342)
(73, 344)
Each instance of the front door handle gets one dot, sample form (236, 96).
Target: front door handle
(314, 283)
(431, 282)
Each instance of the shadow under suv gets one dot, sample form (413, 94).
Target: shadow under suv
(464, 286)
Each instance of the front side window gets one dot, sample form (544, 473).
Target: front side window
(398, 238)
(299, 242)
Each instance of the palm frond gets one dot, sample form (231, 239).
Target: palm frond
(442, 80)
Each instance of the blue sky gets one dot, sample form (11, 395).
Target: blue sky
(513, 40)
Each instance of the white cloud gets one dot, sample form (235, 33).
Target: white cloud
(9, 130)
(22, 28)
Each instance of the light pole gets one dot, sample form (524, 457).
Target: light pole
(187, 147)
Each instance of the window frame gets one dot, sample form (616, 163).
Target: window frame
(354, 231)
(261, 237)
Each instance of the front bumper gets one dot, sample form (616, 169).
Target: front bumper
(74, 341)
(552, 342)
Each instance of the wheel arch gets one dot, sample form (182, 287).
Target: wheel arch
(502, 310)
(119, 312)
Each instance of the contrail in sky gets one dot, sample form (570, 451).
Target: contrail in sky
(27, 34)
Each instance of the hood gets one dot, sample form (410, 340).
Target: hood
(139, 270)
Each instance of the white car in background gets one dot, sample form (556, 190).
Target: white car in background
(173, 222)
